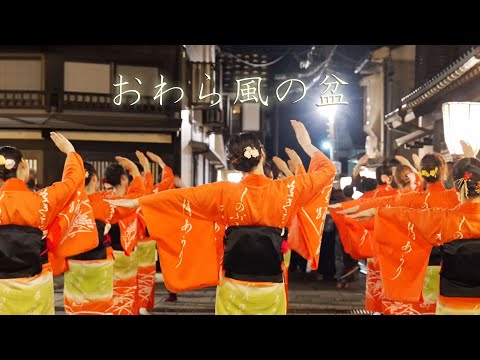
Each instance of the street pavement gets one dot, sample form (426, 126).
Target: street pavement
(308, 295)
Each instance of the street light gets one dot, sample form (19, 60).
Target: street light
(326, 145)
(461, 121)
(329, 112)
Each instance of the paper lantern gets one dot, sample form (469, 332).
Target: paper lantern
(461, 121)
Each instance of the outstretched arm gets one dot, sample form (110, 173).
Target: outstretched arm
(56, 196)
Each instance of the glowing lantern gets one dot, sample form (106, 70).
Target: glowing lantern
(461, 121)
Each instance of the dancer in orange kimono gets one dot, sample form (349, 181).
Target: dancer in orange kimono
(306, 228)
(405, 256)
(147, 246)
(256, 212)
(88, 284)
(433, 171)
(54, 222)
(353, 235)
(122, 227)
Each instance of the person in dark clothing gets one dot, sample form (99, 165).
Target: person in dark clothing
(327, 266)
(345, 265)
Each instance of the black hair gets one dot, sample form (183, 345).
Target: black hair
(113, 174)
(10, 153)
(432, 167)
(90, 171)
(367, 184)
(467, 172)
(236, 149)
(267, 169)
(383, 170)
(337, 196)
(348, 191)
(391, 162)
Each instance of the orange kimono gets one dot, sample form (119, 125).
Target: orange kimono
(306, 228)
(186, 239)
(59, 213)
(458, 230)
(147, 246)
(435, 196)
(357, 244)
(123, 233)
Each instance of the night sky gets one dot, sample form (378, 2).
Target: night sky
(342, 63)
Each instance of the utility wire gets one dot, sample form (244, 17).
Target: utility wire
(257, 65)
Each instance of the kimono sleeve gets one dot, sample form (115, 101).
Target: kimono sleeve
(167, 182)
(58, 195)
(405, 238)
(340, 222)
(437, 225)
(148, 183)
(183, 223)
(359, 235)
(74, 230)
(300, 170)
(377, 202)
(307, 187)
(306, 227)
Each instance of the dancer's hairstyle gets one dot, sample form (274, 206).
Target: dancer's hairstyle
(348, 191)
(383, 170)
(10, 158)
(89, 172)
(267, 169)
(466, 174)
(113, 174)
(244, 151)
(367, 184)
(401, 175)
(432, 167)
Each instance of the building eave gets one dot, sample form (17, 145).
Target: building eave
(460, 71)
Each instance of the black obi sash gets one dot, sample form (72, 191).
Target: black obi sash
(22, 251)
(436, 256)
(100, 252)
(460, 272)
(252, 253)
(115, 237)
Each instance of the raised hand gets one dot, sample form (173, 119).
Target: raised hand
(127, 203)
(351, 210)
(363, 215)
(416, 161)
(128, 165)
(335, 206)
(363, 160)
(142, 159)
(405, 162)
(402, 160)
(62, 143)
(294, 161)
(282, 166)
(301, 133)
(303, 138)
(156, 159)
(467, 149)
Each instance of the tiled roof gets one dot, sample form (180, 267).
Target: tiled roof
(443, 79)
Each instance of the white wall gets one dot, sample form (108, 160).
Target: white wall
(148, 76)
(87, 78)
(186, 150)
(21, 74)
(201, 53)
